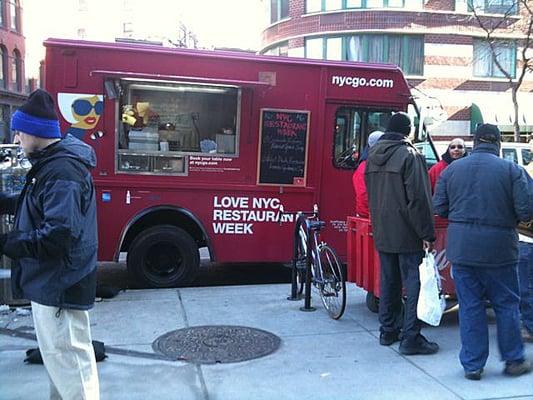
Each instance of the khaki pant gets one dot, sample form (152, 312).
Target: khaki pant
(64, 338)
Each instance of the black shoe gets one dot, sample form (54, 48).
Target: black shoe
(420, 345)
(474, 375)
(517, 368)
(388, 338)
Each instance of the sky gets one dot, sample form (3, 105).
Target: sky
(216, 23)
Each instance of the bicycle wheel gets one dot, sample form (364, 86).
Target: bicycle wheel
(301, 259)
(332, 285)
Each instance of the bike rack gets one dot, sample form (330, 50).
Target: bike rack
(302, 221)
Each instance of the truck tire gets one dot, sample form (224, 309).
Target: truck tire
(163, 256)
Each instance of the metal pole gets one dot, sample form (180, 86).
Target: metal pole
(294, 284)
(307, 299)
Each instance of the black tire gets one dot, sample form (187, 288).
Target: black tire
(372, 302)
(163, 256)
(333, 285)
(301, 261)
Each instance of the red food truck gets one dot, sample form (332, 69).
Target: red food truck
(200, 149)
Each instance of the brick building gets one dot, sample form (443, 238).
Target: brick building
(12, 82)
(438, 44)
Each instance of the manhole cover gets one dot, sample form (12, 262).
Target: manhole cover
(216, 344)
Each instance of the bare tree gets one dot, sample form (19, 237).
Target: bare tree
(507, 22)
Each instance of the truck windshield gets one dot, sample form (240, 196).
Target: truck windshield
(352, 127)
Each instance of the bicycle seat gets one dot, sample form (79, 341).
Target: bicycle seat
(317, 225)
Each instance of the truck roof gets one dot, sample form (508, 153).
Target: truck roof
(53, 42)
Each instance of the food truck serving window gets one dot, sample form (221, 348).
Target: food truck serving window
(162, 123)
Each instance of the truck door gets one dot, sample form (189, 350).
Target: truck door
(346, 132)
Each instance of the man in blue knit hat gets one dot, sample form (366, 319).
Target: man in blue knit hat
(54, 245)
(484, 197)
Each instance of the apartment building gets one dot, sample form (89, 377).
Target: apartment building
(12, 82)
(439, 45)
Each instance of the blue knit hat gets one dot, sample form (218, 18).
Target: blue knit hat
(37, 116)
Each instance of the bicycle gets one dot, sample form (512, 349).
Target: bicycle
(323, 265)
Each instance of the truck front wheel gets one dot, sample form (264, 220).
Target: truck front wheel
(163, 256)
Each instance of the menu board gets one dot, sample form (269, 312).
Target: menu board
(283, 137)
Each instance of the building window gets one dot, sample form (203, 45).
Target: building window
(282, 49)
(2, 17)
(484, 58)
(494, 6)
(14, 17)
(3, 67)
(82, 5)
(331, 5)
(279, 9)
(16, 71)
(405, 51)
(127, 28)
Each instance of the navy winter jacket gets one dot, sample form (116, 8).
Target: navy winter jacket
(484, 197)
(54, 240)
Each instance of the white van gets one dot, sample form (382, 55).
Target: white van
(520, 153)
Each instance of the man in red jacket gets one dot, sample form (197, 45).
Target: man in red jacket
(359, 186)
(456, 149)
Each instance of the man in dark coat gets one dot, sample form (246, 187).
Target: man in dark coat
(399, 197)
(484, 197)
(54, 246)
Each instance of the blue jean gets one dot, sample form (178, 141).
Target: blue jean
(525, 274)
(398, 268)
(500, 285)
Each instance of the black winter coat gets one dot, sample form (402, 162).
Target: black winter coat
(399, 196)
(54, 240)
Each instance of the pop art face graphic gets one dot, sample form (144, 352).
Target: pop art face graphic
(83, 111)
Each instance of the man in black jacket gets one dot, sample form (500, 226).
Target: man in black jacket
(54, 246)
(399, 197)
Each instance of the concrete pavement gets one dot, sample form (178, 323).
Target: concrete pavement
(319, 358)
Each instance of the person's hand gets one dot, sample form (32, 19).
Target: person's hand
(428, 246)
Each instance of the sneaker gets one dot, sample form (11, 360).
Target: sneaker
(388, 338)
(418, 346)
(527, 335)
(517, 368)
(474, 375)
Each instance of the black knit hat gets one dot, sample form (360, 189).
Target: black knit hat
(487, 133)
(37, 116)
(400, 123)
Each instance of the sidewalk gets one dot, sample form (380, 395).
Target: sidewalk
(319, 358)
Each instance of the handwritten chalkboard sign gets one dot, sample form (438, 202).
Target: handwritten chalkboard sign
(283, 141)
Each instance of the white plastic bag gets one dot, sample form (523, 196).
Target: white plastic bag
(431, 302)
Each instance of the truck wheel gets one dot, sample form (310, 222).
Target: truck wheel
(163, 256)
(372, 302)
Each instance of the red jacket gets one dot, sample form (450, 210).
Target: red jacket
(434, 173)
(359, 186)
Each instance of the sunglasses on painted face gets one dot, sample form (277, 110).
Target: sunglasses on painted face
(457, 146)
(84, 107)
